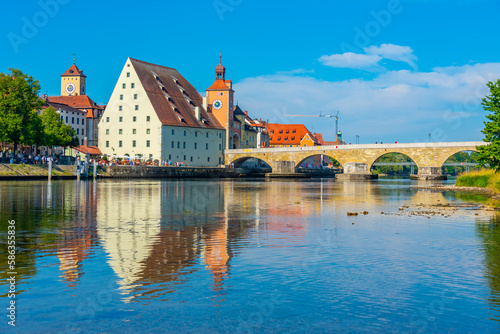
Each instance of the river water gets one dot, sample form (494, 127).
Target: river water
(244, 256)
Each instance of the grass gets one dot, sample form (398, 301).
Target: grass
(485, 178)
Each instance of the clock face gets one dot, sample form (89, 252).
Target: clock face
(217, 104)
(70, 88)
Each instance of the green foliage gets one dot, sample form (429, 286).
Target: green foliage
(18, 104)
(490, 154)
(467, 156)
(487, 178)
(56, 133)
(393, 170)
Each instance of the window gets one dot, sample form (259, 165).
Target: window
(169, 156)
(124, 86)
(220, 135)
(120, 108)
(196, 134)
(77, 131)
(148, 118)
(133, 131)
(207, 134)
(150, 155)
(247, 142)
(195, 146)
(120, 143)
(83, 121)
(132, 85)
(67, 119)
(148, 131)
(191, 159)
(83, 132)
(121, 119)
(134, 118)
(128, 74)
(77, 121)
(184, 158)
(107, 131)
(184, 133)
(206, 146)
(72, 120)
(135, 96)
(184, 145)
(121, 97)
(178, 144)
(173, 144)
(208, 159)
(147, 143)
(220, 147)
(133, 143)
(62, 118)
(173, 132)
(120, 131)
(107, 119)
(107, 143)
(136, 107)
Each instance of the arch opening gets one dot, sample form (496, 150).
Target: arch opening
(319, 161)
(252, 163)
(236, 141)
(460, 162)
(394, 164)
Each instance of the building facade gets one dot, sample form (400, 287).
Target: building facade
(155, 113)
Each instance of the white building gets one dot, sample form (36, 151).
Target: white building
(72, 117)
(155, 113)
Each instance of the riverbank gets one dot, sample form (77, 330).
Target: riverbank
(30, 172)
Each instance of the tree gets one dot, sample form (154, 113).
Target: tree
(490, 154)
(18, 104)
(56, 133)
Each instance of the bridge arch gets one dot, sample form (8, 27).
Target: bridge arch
(400, 158)
(301, 159)
(447, 156)
(238, 161)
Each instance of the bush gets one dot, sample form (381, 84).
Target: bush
(483, 178)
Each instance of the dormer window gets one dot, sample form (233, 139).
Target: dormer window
(287, 131)
(281, 131)
(293, 130)
(180, 118)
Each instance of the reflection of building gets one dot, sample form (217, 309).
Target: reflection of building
(75, 242)
(217, 255)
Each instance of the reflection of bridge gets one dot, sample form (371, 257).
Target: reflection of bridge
(356, 159)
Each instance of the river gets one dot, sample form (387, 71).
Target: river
(248, 256)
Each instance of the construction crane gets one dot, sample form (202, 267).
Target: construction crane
(320, 115)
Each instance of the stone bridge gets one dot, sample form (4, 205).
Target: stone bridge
(356, 160)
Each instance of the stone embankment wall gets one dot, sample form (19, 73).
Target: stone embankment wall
(169, 172)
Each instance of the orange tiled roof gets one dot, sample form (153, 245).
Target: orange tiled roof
(78, 101)
(220, 84)
(92, 150)
(288, 134)
(72, 71)
(319, 137)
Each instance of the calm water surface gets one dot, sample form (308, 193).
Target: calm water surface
(249, 256)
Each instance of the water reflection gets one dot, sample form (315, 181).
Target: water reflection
(489, 234)
(225, 243)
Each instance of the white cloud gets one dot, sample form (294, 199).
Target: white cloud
(394, 52)
(402, 106)
(350, 60)
(373, 55)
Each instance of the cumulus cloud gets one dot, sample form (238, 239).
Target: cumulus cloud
(350, 60)
(371, 58)
(401, 105)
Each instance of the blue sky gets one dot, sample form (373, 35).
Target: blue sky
(396, 70)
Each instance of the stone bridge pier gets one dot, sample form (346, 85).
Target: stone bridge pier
(356, 171)
(428, 173)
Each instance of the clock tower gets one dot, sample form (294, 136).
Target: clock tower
(73, 82)
(220, 100)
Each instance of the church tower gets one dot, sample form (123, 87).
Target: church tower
(73, 82)
(220, 100)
